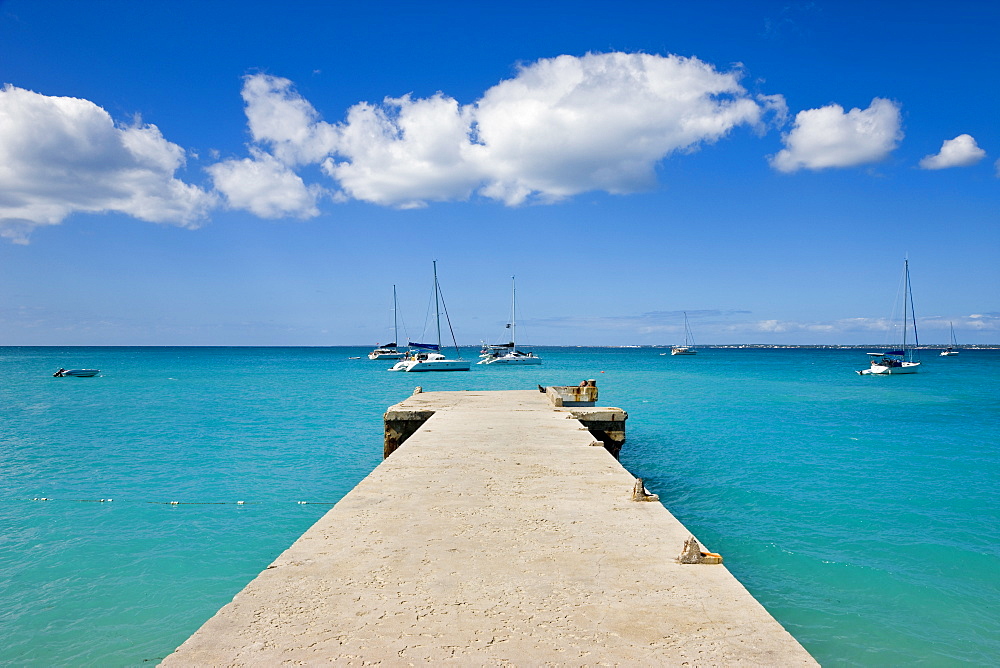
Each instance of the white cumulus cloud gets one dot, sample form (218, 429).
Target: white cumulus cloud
(829, 137)
(265, 186)
(60, 155)
(281, 119)
(560, 127)
(407, 152)
(567, 125)
(961, 151)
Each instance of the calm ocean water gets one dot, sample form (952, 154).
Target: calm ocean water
(863, 512)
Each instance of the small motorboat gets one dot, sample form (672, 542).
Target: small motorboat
(79, 373)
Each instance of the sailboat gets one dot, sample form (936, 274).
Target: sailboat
(902, 360)
(427, 356)
(507, 353)
(389, 351)
(688, 347)
(950, 350)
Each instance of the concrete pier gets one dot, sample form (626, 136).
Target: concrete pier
(498, 531)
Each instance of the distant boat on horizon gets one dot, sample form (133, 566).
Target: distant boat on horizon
(427, 356)
(900, 361)
(507, 353)
(389, 351)
(688, 347)
(950, 350)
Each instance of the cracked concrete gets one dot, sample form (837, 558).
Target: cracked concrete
(495, 535)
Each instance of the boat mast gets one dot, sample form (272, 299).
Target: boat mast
(913, 313)
(437, 307)
(513, 323)
(906, 297)
(395, 320)
(908, 306)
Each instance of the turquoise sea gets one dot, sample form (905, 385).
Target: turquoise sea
(863, 512)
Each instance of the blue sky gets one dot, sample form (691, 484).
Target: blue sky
(188, 173)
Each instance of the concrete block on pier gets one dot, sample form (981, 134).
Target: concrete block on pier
(604, 423)
(584, 394)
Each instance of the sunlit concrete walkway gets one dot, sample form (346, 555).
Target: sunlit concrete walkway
(499, 533)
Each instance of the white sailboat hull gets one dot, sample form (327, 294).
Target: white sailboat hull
(429, 362)
(882, 370)
(376, 355)
(948, 353)
(683, 351)
(512, 359)
(431, 365)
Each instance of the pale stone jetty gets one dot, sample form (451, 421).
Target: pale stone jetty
(495, 533)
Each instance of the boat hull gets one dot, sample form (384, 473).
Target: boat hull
(880, 370)
(386, 356)
(948, 353)
(431, 365)
(77, 373)
(512, 360)
(683, 351)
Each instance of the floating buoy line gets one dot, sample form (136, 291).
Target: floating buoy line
(181, 503)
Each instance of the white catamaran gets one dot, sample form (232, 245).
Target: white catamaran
(688, 347)
(427, 356)
(389, 351)
(507, 353)
(903, 360)
(950, 350)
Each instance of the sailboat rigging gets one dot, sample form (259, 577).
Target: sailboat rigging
(507, 353)
(688, 347)
(389, 351)
(427, 356)
(903, 360)
(950, 350)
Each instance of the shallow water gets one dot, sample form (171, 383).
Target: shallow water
(863, 512)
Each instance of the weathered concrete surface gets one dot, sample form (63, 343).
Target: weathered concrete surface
(582, 395)
(496, 535)
(605, 424)
(400, 424)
